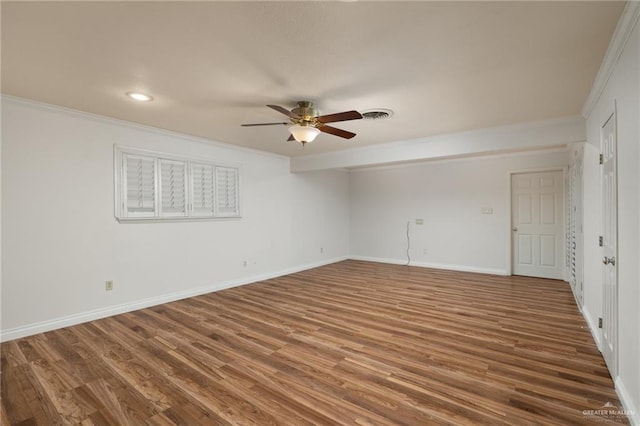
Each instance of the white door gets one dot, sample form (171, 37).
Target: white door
(537, 201)
(609, 244)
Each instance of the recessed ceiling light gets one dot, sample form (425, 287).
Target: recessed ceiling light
(142, 97)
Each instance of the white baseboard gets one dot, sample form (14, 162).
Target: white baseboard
(628, 404)
(593, 327)
(69, 320)
(447, 266)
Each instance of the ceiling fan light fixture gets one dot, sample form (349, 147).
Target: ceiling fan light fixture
(304, 134)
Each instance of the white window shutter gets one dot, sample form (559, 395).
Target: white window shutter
(173, 188)
(154, 186)
(227, 192)
(140, 200)
(202, 190)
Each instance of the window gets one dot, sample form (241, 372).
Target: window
(139, 185)
(202, 192)
(156, 186)
(173, 188)
(226, 184)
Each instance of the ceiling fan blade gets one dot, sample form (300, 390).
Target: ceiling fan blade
(291, 138)
(340, 116)
(284, 111)
(337, 132)
(264, 124)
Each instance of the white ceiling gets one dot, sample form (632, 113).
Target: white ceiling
(442, 67)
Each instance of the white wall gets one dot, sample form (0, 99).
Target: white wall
(320, 215)
(448, 196)
(623, 90)
(60, 240)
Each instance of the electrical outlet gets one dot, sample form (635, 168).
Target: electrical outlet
(244, 263)
(419, 221)
(108, 285)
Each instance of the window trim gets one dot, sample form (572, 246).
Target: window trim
(120, 191)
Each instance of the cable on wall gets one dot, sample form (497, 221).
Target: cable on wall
(408, 245)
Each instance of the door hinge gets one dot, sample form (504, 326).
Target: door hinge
(601, 159)
(600, 241)
(599, 322)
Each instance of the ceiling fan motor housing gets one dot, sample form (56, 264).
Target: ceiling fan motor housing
(306, 112)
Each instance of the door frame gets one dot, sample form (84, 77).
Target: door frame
(509, 221)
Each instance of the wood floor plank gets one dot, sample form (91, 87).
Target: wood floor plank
(349, 343)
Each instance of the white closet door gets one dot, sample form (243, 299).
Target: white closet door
(609, 245)
(538, 224)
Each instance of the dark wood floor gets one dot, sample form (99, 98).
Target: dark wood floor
(349, 343)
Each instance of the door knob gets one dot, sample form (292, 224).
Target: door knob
(605, 260)
(514, 229)
(609, 261)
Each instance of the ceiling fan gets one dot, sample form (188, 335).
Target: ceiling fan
(305, 122)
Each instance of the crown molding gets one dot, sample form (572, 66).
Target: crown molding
(141, 127)
(626, 24)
